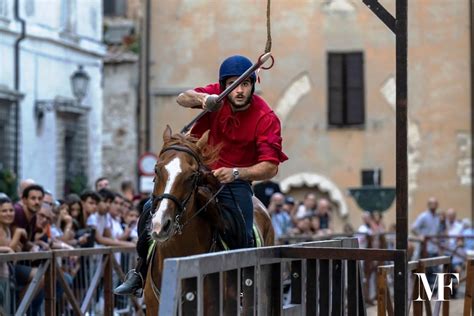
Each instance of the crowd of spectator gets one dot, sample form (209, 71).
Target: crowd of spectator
(290, 217)
(39, 222)
(442, 233)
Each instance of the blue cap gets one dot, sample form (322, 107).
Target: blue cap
(235, 66)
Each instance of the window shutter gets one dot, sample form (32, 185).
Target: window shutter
(355, 88)
(7, 135)
(336, 89)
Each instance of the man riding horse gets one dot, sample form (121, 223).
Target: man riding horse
(248, 133)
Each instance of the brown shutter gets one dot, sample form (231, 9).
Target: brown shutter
(336, 89)
(354, 88)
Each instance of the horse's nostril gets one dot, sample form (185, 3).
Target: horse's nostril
(154, 235)
(167, 225)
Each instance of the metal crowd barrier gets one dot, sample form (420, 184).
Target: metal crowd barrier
(67, 282)
(324, 279)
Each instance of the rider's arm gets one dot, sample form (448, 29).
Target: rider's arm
(192, 99)
(261, 171)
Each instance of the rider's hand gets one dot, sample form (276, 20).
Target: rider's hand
(210, 103)
(224, 175)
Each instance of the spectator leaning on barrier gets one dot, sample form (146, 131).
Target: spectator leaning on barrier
(23, 185)
(281, 220)
(290, 208)
(62, 223)
(118, 231)
(75, 210)
(6, 246)
(428, 223)
(308, 208)
(25, 218)
(455, 247)
(365, 230)
(89, 201)
(323, 215)
(130, 220)
(454, 228)
(9, 242)
(128, 191)
(102, 223)
(48, 198)
(468, 231)
(14, 238)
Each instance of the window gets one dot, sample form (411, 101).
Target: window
(7, 135)
(4, 9)
(115, 8)
(72, 160)
(346, 89)
(68, 16)
(371, 177)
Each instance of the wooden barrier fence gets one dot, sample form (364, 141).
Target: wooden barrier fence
(384, 301)
(469, 294)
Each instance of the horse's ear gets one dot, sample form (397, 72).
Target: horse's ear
(167, 133)
(202, 142)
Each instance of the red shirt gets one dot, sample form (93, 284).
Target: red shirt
(247, 137)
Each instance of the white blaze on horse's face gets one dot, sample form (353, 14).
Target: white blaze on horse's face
(174, 169)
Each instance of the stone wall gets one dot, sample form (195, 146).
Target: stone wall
(304, 32)
(119, 151)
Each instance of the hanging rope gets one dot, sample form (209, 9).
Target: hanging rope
(268, 46)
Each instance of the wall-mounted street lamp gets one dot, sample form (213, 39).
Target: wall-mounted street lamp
(79, 86)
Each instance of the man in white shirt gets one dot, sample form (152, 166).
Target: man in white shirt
(102, 221)
(308, 208)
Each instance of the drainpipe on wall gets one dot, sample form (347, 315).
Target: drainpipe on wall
(16, 74)
(147, 76)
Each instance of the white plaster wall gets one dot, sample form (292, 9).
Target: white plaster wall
(47, 61)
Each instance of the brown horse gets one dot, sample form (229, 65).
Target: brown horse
(183, 184)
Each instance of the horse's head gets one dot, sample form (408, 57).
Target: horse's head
(178, 174)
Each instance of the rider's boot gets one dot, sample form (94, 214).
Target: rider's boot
(133, 284)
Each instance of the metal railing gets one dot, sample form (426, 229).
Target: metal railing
(69, 282)
(324, 278)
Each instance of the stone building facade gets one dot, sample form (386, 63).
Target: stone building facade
(119, 147)
(331, 142)
(57, 140)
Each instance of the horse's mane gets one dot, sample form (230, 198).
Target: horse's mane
(208, 154)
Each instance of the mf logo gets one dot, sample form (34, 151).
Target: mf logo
(429, 292)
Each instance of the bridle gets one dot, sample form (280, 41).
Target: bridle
(182, 205)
